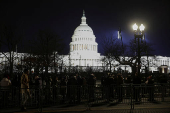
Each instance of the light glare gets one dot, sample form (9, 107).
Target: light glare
(142, 27)
(135, 27)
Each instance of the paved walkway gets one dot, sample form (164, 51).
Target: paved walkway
(106, 108)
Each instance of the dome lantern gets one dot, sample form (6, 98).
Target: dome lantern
(83, 19)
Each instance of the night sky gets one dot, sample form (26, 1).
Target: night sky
(103, 16)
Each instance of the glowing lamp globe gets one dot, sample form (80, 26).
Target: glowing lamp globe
(135, 27)
(142, 27)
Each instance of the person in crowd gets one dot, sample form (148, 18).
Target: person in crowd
(168, 79)
(15, 84)
(37, 78)
(84, 86)
(37, 88)
(136, 89)
(63, 88)
(91, 85)
(163, 81)
(109, 86)
(47, 89)
(113, 85)
(128, 82)
(71, 88)
(5, 88)
(56, 84)
(5, 82)
(119, 87)
(25, 92)
(103, 85)
(79, 85)
(150, 88)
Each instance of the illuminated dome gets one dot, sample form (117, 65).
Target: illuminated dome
(83, 48)
(83, 29)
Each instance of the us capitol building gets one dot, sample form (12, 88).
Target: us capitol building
(84, 52)
(83, 48)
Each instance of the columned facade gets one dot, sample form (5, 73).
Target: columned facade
(83, 48)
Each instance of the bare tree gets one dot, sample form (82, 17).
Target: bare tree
(112, 48)
(9, 41)
(47, 42)
(116, 51)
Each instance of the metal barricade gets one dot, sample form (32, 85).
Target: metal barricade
(87, 95)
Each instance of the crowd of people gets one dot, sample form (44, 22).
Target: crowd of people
(72, 87)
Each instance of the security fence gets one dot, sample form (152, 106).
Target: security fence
(87, 95)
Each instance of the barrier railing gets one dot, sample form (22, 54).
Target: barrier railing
(88, 95)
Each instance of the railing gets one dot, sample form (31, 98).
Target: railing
(89, 95)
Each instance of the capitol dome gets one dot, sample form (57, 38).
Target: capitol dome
(83, 29)
(83, 48)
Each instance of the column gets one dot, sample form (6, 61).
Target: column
(80, 62)
(70, 48)
(84, 62)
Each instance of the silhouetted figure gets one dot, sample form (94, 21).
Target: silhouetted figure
(91, 85)
(119, 87)
(71, 89)
(56, 84)
(163, 82)
(84, 87)
(79, 85)
(25, 88)
(150, 88)
(103, 85)
(63, 88)
(110, 87)
(37, 88)
(128, 83)
(5, 88)
(136, 89)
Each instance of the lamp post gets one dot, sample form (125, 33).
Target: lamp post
(139, 35)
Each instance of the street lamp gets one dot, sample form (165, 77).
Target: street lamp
(135, 27)
(139, 35)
